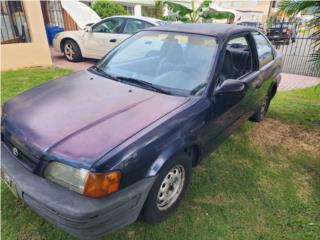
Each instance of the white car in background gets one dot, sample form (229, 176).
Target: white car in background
(97, 40)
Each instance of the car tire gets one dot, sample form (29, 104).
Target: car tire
(260, 114)
(168, 190)
(289, 41)
(72, 51)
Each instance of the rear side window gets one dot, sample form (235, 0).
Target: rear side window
(265, 53)
(134, 25)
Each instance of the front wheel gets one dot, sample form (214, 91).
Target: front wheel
(72, 51)
(168, 190)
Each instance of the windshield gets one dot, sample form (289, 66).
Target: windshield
(177, 62)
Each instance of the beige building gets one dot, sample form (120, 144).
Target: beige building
(252, 10)
(23, 36)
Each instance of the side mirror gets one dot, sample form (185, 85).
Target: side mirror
(87, 28)
(231, 86)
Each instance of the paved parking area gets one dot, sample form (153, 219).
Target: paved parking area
(288, 82)
(60, 61)
(292, 81)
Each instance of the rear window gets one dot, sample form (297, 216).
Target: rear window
(278, 25)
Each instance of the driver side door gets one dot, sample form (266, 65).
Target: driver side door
(234, 96)
(103, 37)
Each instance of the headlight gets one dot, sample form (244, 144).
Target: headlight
(82, 180)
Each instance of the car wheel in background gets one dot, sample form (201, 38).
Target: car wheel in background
(169, 189)
(288, 41)
(262, 111)
(72, 51)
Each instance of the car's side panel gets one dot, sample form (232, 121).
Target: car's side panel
(97, 44)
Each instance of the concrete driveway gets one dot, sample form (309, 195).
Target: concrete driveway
(288, 82)
(60, 61)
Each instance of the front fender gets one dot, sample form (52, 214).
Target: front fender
(179, 145)
(76, 36)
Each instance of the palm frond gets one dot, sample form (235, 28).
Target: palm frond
(203, 6)
(216, 15)
(177, 8)
(293, 7)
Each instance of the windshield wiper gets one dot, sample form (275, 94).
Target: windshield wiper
(198, 88)
(103, 73)
(144, 84)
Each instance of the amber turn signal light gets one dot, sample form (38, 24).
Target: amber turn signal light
(102, 184)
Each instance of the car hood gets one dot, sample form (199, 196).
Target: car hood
(83, 116)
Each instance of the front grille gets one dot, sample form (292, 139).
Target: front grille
(24, 158)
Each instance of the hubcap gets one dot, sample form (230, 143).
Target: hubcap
(68, 51)
(171, 187)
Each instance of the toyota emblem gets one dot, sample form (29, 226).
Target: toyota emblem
(15, 151)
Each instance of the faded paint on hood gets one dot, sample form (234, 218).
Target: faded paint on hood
(82, 116)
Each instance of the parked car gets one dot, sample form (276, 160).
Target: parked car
(96, 40)
(92, 151)
(282, 33)
(254, 24)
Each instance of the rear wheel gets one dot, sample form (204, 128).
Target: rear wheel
(72, 51)
(168, 190)
(262, 111)
(288, 41)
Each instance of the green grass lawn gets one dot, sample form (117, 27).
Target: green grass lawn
(262, 183)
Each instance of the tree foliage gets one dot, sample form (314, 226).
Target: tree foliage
(194, 14)
(294, 7)
(106, 8)
(158, 9)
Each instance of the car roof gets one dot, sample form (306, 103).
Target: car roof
(147, 19)
(219, 30)
(249, 22)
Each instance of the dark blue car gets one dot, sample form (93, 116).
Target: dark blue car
(92, 151)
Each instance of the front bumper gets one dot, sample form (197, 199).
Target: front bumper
(56, 44)
(83, 217)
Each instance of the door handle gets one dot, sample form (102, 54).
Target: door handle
(113, 40)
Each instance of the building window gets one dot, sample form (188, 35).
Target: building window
(55, 13)
(14, 26)
(129, 9)
(147, 11)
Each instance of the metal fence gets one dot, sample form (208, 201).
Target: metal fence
(297, 54)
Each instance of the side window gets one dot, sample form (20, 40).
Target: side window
(109, 26)
(134, 25)
(264, 50)
(237, 60)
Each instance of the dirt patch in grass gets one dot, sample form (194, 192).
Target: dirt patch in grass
(28, 233)
(272, 133)
(304, 189)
